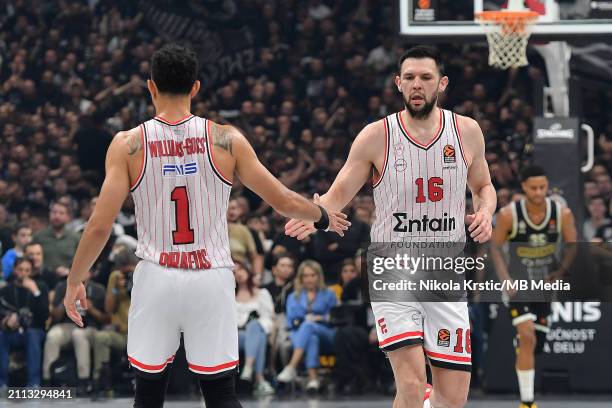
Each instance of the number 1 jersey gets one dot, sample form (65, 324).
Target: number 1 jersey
(181, 197)
(420, 195)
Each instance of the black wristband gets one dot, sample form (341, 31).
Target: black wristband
(323, 222)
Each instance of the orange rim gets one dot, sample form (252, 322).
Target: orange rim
(501, 16)
(511, 21)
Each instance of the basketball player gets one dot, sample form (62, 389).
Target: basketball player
(422, 158)
(534, 226)
(179, 169)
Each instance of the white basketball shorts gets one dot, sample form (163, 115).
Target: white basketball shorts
(442, 328)
(199, 303)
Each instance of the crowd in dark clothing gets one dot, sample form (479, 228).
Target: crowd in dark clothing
(73, 73)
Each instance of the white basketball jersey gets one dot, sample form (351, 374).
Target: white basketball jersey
(420, 195)
(181, 198)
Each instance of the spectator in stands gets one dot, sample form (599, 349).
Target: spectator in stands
(282, 284)
(58, 243)
(64, 332)
(604, 233)
(79, 226)
(597, 217)
(257, 224)
(308, 311)
(24, 310)
(242, 244)
(255, 322)
(35, 253)
(6, 241)
(117, 306)
(280, 288)
(22, 236)
(604, 185)
(331, 252)
(348, 272)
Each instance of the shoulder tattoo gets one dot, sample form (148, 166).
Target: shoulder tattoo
(134, 143)
(222, 136)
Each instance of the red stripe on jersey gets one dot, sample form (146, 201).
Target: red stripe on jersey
(208, 369)
(414, 334)
(210, 222)
(173, 123)
(382, 173)
(154, 220)
(212, 159)
(144, 366)
(448, 357)
(413, 140)
(456, 121)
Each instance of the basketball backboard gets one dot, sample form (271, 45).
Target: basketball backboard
(448, 20)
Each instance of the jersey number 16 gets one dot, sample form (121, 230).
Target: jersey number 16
(434, 191)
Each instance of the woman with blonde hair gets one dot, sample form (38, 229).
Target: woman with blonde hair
(308, 311)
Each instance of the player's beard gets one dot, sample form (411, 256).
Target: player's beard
(424, 111)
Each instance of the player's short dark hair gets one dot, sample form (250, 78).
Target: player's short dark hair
(532, 171)
(421, 52)
(174, 69)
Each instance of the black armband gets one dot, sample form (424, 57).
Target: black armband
(323, 223)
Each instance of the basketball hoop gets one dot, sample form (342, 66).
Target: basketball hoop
(507, 34)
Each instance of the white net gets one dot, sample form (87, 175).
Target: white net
(507, 34)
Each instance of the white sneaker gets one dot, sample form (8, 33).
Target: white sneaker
(247, 373)
(287, 375)
(313, 385)
(263, 388)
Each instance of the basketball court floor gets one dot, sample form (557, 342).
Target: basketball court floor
(374, 401)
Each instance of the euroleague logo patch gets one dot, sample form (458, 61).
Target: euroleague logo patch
(444, 338)
(449, 154)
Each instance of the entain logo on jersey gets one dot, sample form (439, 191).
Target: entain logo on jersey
(424, 224)
(179, 170)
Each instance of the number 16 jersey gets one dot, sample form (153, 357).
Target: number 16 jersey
(420, 193)
(181, 197)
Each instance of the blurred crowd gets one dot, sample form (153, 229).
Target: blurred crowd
(72, 74)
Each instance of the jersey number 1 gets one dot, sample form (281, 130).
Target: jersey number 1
(434, 191)
(183, 234)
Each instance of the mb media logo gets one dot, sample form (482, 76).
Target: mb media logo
(179, 170)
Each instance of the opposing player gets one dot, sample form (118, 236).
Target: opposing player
(534, 226)
(179, 168)
(422, 158)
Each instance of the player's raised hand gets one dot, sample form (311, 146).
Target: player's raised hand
(301, 229)
(74, 293)
(338, 223)
(480, 226)
(337, 220)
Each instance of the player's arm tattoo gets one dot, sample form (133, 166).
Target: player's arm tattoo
(222, 137)
(134, 144)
